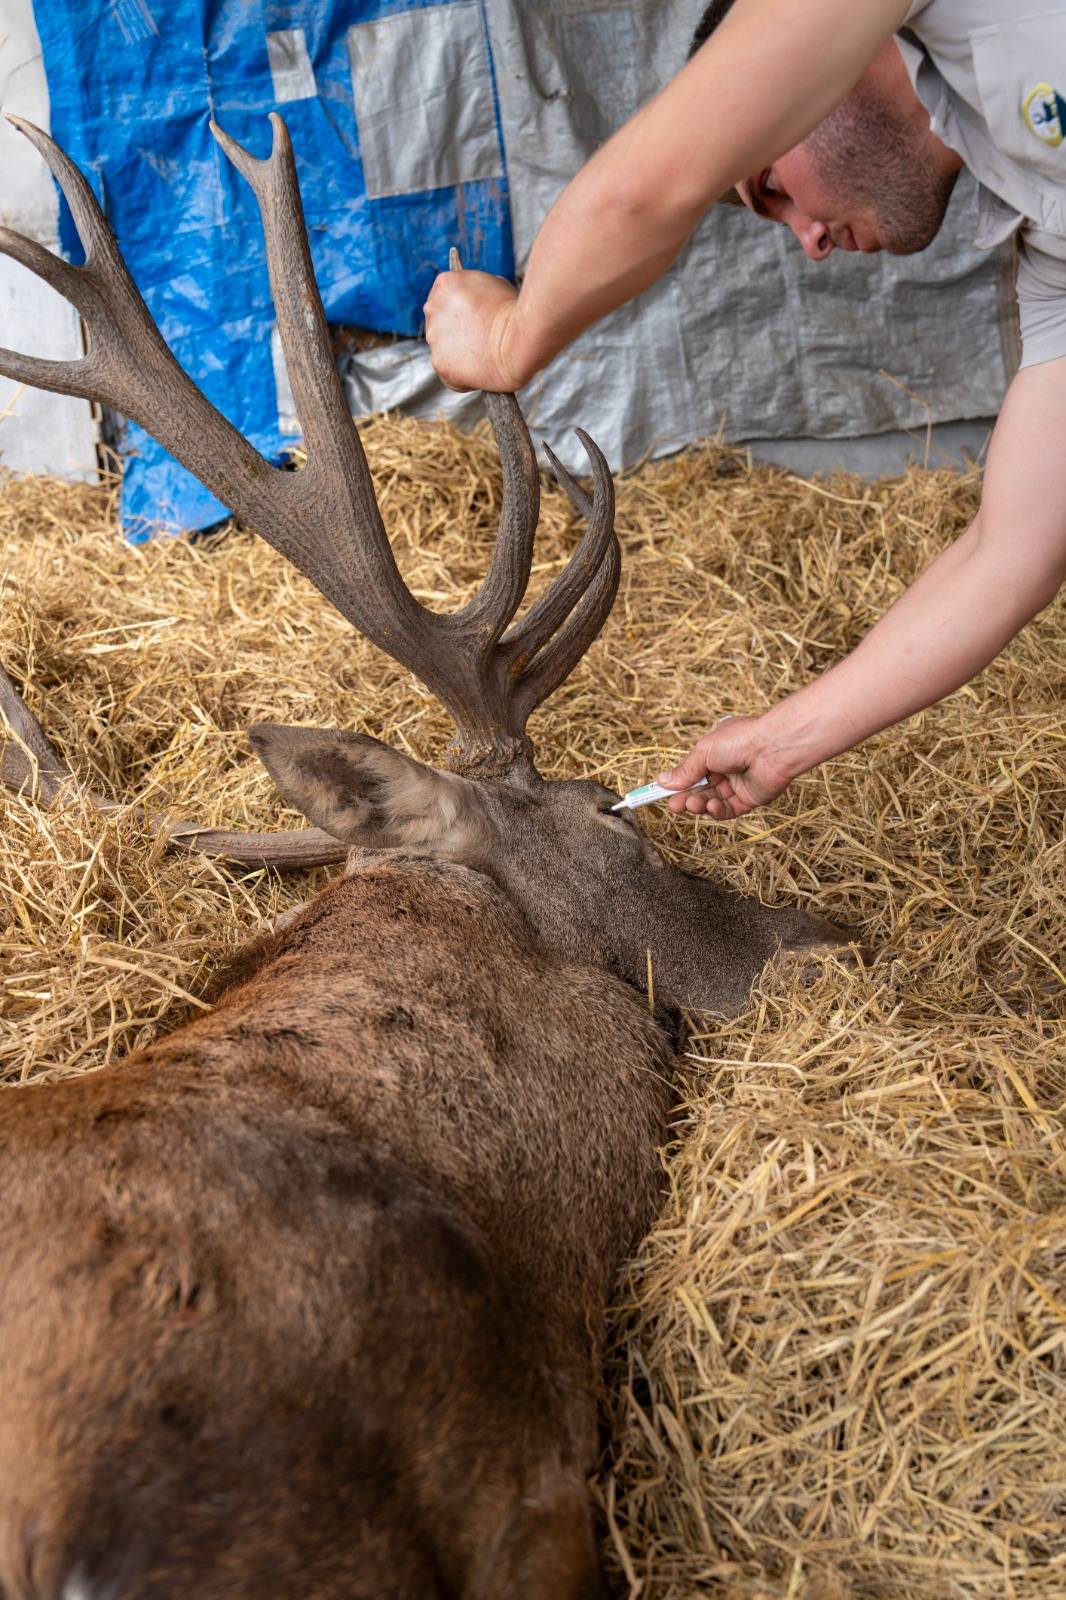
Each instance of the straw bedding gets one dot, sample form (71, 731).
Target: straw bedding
(839, 1361)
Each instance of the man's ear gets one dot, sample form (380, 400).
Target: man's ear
(362, 792)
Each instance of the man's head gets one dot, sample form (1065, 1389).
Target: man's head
(871, 176)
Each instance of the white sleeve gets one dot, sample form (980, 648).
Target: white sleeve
(1041, 285)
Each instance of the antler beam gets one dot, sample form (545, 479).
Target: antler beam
(30, 763)
(325, 518)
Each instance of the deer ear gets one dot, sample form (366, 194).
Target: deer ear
(363, 792)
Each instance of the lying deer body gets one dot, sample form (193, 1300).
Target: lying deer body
(306, 1300)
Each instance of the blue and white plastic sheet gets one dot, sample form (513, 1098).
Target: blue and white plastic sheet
(392, 111)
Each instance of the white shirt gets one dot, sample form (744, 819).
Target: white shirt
(992, 75)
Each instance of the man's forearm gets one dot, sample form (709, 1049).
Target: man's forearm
(948, 625)
(945, 629)
(633, 248)
(621, 222)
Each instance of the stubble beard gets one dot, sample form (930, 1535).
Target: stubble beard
(867, 152)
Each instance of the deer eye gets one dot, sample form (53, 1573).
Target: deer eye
(624, 819)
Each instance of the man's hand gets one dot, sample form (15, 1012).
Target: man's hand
(468, 321)
(741, 771)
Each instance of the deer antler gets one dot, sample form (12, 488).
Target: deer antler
(325, 518)
(30, 762)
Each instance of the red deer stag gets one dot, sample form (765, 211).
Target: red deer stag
(305, 1301)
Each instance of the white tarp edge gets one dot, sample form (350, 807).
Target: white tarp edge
(744, 333)
(39, 432)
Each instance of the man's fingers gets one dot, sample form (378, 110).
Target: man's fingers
(686, 792)
(704, 802)
(701, 803)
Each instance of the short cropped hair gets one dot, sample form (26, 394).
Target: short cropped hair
(704, 28)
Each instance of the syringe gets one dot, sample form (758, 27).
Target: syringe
(650, 792)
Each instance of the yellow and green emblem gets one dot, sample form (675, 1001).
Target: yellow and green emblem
(1044, 114)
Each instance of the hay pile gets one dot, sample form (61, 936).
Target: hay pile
(840, 1359)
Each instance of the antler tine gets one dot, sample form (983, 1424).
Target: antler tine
(58, 274)
(558, 659)
(33, 763)
(486, 616)
(579, 498)
(336, 480)
(552, 609)
(499, 597)
(570, 615)
(325, 420)
(535, 656)
(62, 377)
(93, 231)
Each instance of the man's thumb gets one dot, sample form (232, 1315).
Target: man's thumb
(690, 771)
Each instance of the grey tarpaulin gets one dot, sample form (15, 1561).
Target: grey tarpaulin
(743, 333)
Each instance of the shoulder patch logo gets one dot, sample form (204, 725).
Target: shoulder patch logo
(1044, 114)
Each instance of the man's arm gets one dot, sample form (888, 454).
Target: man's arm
(949, 624)
(768, 75)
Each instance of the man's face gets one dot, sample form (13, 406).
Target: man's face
(868, 178)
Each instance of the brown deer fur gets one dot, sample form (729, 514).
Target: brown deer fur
(306, 1300)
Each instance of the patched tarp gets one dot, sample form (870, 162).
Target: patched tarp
(421, 126)
(743, 333)
(393, 118)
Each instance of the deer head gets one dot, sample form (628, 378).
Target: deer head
(588, 880)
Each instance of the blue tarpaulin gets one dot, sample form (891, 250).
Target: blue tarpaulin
(392, 112)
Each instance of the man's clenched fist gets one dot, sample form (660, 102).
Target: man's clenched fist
(469, 317)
